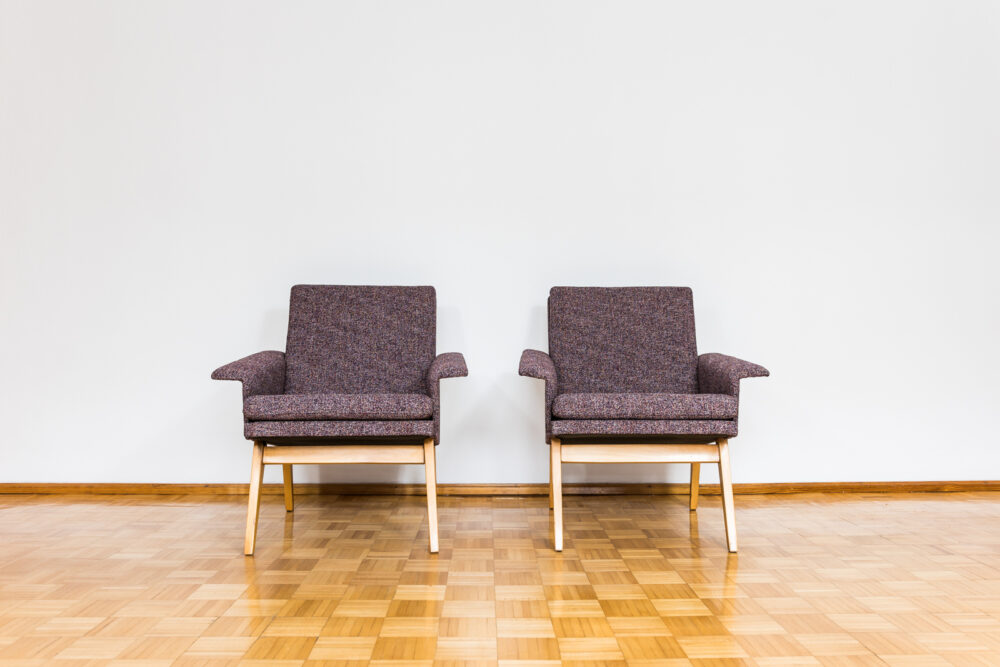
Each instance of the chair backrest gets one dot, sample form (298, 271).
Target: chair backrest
(623, 339)
(353, 339)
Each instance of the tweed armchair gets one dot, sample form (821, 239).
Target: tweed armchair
(624, 383)
(358, 383)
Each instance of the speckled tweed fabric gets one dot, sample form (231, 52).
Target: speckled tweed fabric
(336, 429)
(722, 427)
(261, 373)
(721, 374)
(539, 365)
(644, 406)
(350, 339)
(623, 362)
(623, 339)
(338, 406)
(445, 365)
(360, 364)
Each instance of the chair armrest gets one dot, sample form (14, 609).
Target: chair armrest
(721, 374)
(538, 364)
(445, 365)
(261, 373)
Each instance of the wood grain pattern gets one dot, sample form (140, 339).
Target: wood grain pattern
(523, 489)
(695, 454)
(555, 471)
(430, 481)
(253, 507)
(288, 483)
(828, 579)
(344, 454)
(694, 484)
(595, 453)
(726, 483)
(287, 455)
(551, 500)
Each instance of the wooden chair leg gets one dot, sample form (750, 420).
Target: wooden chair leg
(555, 461)
(253, 509)
(726, 482)
(551, 495)
(286, 471)
(695, 474)
(430, 477)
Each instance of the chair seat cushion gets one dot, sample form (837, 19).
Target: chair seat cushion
(645, 406)
(302, 430)
(295, 407)
(708, 429)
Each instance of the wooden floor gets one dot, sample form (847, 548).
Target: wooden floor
(820, 579)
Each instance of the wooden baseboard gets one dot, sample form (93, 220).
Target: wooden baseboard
(592, 489)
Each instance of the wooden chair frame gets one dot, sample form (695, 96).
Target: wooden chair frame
(717, 453)
(287, 455)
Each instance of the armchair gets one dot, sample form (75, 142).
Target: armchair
(358, 383)
(624, 384)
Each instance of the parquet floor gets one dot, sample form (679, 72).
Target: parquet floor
(820, 579)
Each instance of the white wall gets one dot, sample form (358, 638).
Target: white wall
(823, 174)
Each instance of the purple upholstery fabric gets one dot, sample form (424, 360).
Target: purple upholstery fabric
(261, 373)
(360, 364)
(725, 428)
(445, 365)
(644, 406)
(623, 339)
(338, 406)
(359, 340)
(306, 430)
(539, 365)
(627, 366)
(721, 374)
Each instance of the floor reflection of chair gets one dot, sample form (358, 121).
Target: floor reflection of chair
(693, 527)
(289, 524)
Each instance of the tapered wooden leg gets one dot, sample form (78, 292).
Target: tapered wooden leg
(286, 471)
(555, 460)
(550, 483)
(253, 508)
(430, 476)
(726, 482)
(695, 474)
